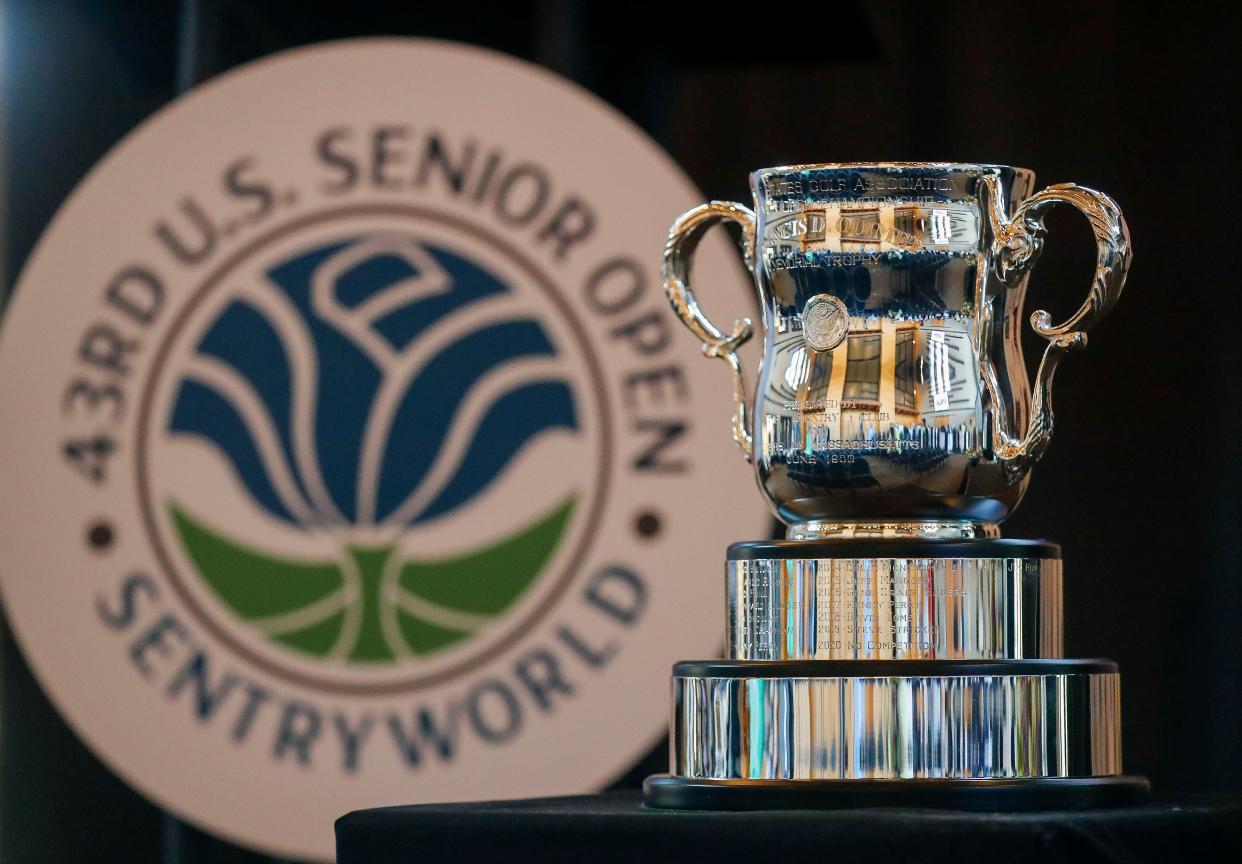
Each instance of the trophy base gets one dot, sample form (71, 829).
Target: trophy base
(937, 721)
(1046, 793)
(896, 672)
(899, 599)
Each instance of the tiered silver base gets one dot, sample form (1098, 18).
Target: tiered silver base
(847, 720)
(956, 607)
(929, 677)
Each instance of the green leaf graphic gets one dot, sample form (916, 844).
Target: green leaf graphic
(317, 639)
(303, 604)
(487, 582)
(252, 584)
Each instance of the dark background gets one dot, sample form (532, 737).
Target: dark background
(1143, 483)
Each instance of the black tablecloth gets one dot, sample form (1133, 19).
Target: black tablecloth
(616, 827)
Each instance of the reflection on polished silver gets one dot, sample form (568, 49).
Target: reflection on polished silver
(893, 609)
(683, 239)
(931, 530)
(893, 635)
(920, 412)
(880, 726)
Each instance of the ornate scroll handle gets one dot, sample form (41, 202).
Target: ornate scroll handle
(1016, 246)
(683, 239)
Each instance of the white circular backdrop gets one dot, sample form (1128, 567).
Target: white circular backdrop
(196, 693)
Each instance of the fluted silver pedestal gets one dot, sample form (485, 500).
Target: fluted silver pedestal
(918, 673)
(852, 600)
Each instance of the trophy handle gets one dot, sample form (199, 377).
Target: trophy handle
(1017, 244)
(683, 239)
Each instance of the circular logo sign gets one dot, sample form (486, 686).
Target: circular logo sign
(354, 457)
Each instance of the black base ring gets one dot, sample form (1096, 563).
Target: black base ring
(1046, 793)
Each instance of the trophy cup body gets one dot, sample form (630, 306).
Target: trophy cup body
(894, 648)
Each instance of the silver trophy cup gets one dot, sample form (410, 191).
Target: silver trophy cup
(894, 649)
(893, 398)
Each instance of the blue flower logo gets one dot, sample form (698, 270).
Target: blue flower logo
(374, 386)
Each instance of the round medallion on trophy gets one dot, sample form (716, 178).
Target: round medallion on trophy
(825, 322)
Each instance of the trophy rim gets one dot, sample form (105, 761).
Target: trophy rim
(971, 794)
(893, 548)
(980, 167)
(836, 669)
